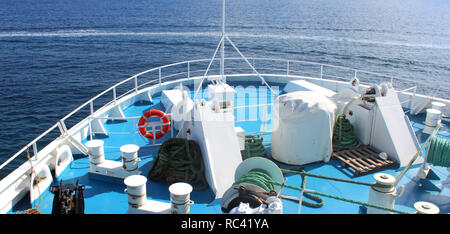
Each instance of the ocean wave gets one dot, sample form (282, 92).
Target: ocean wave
(87, 33)
(90, 33)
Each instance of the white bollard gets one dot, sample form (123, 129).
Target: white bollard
(180, 198)
(96, 152)
(426, 208)
(130, 157)
(433, 118)
(437, 105)
(136, 190)
(383, 193)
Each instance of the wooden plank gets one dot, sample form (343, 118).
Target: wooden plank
(355, 160)
(369, 158)
(363, 160)
(348, 162)
(373, 156)
(372, 150)
(360, 159)
(368, 151)
(334, 155)
(380, 160)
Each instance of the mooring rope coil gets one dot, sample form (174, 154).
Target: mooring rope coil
(179, 160)
(343, 135)
(439, 152)
(257, 177)
(253, 147)
(262, 179)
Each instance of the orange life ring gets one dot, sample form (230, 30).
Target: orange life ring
(154, 113)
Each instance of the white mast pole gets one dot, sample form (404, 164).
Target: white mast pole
(222, 46)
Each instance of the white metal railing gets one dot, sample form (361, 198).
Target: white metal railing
(153, 125)
(185, 70)
(264, 118)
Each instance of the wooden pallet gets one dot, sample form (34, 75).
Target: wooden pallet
(363, 160)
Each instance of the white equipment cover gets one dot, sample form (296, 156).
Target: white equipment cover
(302, 128)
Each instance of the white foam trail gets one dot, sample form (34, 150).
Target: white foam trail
(90, 33)
(341, 39)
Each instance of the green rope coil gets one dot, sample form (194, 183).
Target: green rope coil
(257, 177)
(179, 160)
(343, 135)
(262, 179)
(439, 152)
(253, 147)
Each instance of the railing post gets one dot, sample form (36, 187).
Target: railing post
(135, 84)
(90, 128)
(61, 129)
(91, 104)
(114, 95)
(413, 97)
(159, 75)
(35, 151)
(321, 71)
(135, 132)
(287, 68)
(188, 69)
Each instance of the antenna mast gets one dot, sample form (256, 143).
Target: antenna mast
(221, 46)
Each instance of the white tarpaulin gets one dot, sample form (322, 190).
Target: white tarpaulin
(302, 128)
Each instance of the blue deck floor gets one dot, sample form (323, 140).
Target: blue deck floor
(109, 198)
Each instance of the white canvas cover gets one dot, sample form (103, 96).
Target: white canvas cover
(302, 128)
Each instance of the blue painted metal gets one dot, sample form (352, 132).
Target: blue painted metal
(110, 198)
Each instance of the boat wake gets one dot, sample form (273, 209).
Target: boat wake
(92, 33)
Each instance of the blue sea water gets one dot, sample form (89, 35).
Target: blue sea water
(57, 54)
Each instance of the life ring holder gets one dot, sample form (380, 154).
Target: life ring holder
(154, 113)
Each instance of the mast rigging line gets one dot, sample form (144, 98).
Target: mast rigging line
(221, 45)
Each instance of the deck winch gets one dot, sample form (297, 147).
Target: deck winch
(68, 199)
(257, 181)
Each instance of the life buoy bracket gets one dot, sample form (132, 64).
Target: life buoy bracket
(154, 113)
